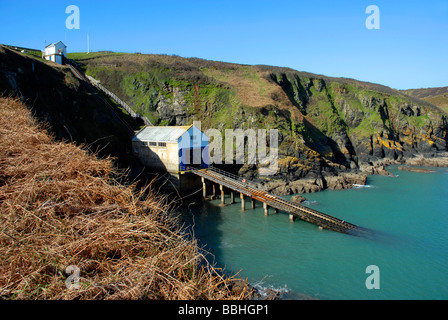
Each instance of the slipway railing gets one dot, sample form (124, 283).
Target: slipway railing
(255, 191)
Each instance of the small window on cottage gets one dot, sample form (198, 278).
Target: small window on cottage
(153, 144)
(162, 144)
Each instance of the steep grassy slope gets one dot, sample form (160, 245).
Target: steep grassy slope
(440, 101)
(325, 124)
(437, 96)
(426, 92)
(61, 207)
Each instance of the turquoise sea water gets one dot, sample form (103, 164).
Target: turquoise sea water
(409, 219)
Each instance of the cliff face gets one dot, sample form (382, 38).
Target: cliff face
(327, 126)
(363, 124)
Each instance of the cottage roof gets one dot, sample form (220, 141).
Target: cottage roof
(54, 44)
(161, 134)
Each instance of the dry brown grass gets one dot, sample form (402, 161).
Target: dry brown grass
(253, 89)
(441, 101)
(60, 206)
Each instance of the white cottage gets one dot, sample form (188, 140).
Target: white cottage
(56, 52)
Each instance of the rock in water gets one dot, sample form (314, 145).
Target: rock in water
(298, 199)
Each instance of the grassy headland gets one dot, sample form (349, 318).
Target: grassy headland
(326, 124)
(437, 96)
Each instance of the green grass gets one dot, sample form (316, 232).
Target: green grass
(367, 127)
(325, 115)
(36, 54)
(92, 55)
(419, 121)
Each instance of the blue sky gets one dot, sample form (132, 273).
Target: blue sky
(410, 50)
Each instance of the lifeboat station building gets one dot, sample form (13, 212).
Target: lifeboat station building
(174, 149)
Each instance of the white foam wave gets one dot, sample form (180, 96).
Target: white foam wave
(355, 185)
(264, 291)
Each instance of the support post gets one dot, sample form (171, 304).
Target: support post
(204, 189)
(253, 203)
(292, 217)
(243, 204)
(232, 197)
(223, 201)
(276, 210)
(214, 192)
(266, 209)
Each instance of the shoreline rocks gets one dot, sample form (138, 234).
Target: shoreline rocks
(413, 169)
(379, 167)
(298, 199)
(346, 180)
(340, 178)
(420, 161)
(342, 181)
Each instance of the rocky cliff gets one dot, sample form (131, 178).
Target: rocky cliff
(327, 127)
